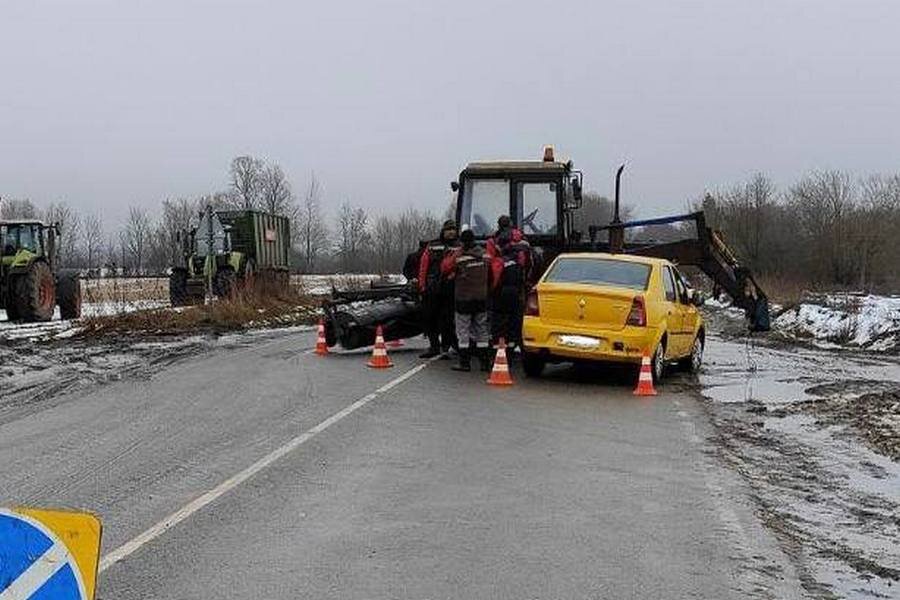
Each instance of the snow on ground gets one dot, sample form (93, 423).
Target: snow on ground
(816, 434)
(322, 285)
(868, 322)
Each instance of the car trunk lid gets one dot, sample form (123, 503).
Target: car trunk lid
(584, 304)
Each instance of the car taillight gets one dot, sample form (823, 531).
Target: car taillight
(638, 315)
(532, 308)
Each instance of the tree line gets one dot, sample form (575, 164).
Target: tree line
(147, 243)
(829, 228)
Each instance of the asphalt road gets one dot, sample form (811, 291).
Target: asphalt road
(269, 472)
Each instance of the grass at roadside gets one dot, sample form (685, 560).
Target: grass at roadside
(243, 311)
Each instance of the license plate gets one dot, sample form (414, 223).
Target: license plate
(578, 341)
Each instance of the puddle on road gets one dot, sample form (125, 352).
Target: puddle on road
(742, 372)
(797, 423)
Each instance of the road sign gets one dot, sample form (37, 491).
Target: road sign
(48, 554)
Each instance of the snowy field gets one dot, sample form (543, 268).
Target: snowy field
(854, 320)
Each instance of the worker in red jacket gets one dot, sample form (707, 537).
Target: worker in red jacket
(437, 292)
(510, 256)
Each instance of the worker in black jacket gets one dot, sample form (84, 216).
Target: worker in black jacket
(437, 292)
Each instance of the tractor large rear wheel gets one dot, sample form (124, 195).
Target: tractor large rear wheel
(178, 284)
(34, 293)
(68, 295)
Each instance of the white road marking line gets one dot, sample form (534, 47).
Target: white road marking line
(41, 570)
(229, 484)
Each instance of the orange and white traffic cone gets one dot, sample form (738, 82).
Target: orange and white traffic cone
(645, 379)
(321, 344)
(500, 372)
(379, 358)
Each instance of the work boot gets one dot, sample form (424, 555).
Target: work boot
(485, 359)
(465, 361)
(431, 352)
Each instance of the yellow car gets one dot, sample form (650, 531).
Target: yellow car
(612, 307)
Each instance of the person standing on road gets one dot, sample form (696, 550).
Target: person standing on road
(509, 254)
(411, 264)
(469, 267)
(437, 292)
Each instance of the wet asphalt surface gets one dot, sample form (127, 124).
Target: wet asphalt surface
(441, 487)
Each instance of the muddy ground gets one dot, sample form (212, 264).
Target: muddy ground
(815, 433)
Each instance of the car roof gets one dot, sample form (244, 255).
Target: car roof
(632, 258)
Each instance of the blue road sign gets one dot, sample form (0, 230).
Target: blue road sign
(34, 563)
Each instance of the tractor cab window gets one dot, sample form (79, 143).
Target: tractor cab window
(20, 237)
(483, 202)
(536, 204)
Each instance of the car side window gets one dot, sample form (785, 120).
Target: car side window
(681, 286)
(669, 284)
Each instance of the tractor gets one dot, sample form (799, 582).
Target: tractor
(31, 285)
(543, 198)
(231, 249)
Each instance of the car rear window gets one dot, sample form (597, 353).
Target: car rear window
(600, 271)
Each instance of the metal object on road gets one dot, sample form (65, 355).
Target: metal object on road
(48, 554)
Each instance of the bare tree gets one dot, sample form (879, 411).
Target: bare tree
(386, 243)
(246, 176)
(69, 223)
(175, 222)
(137, 237)
(311, 233)
(92, 240)
(275, 191)
(353, 237)
(17, 209)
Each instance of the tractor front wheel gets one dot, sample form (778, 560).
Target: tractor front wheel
(34, 293)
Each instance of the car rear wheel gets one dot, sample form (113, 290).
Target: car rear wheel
(658, 362)
(533, 364)
(691, 363)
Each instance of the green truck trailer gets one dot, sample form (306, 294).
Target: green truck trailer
(231, 250)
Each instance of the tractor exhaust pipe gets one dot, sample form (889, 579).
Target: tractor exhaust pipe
(616, 231)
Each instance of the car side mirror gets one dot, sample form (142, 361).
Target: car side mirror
(576, 191)
(454, 185)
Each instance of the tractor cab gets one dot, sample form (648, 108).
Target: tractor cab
(539, 197)
(23, 241)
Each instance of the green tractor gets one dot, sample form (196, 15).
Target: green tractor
(31, 286)
(230, 250)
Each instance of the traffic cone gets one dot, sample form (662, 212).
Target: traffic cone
(500, 372)
(379, 358)
(645, 379)
(321, 344)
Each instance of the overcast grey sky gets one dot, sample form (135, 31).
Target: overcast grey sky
(109, 103)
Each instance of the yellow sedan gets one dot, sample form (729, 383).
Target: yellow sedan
(612, 307)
